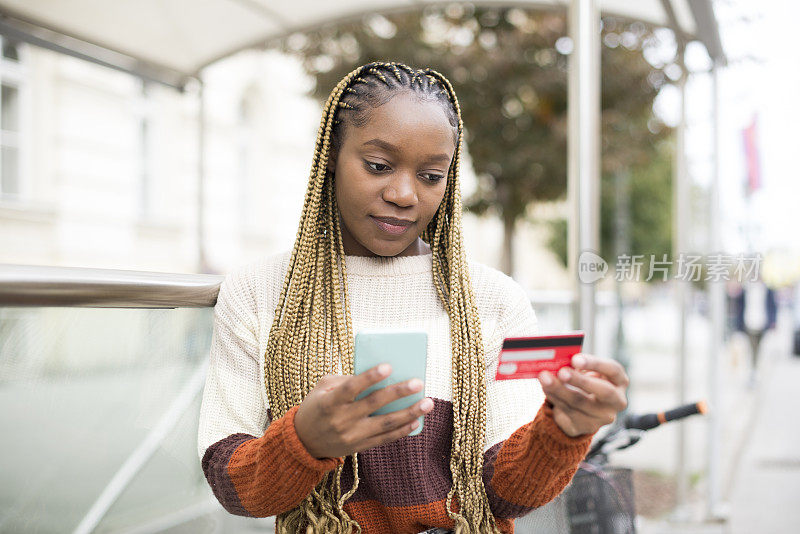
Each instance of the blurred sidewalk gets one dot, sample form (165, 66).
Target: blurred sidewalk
(764, 489)
(765, 496)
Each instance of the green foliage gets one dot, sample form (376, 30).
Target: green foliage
(650, 206)
(650, 212)
(557, 241)
(511, 80)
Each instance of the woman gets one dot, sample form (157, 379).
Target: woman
(379, 245)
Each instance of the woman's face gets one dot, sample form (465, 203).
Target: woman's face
(395, 166)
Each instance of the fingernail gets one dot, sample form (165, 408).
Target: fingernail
(578, 361)
(544, 378)
(415, 384)
(384, 369)
(564, 373)
(426, 404)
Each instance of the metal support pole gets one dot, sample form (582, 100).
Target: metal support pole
(202, 264)
(680, 224)
(583, 153)
(717, 311)
(622, 245)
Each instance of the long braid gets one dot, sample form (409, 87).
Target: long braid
(468, 364)
(311, 334)
(292, 366)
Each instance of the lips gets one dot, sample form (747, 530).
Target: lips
(393, 221)
(392, 225)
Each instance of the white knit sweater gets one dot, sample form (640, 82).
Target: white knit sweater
(393, 292)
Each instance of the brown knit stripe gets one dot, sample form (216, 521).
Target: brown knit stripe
(376, 518)
(537, 461)
(215, 467)
(422, 462)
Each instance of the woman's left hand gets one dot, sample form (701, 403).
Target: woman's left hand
(595, 394)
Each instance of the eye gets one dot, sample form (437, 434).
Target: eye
(376, 167)
(432, 177)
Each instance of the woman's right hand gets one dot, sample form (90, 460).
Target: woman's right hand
(331, 423)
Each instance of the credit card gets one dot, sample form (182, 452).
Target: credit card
(526, 357)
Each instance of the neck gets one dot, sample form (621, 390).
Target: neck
(417, 248)
(352, 248)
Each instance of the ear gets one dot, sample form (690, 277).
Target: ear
(332, 159)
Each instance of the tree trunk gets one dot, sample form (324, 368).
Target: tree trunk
(507, 253)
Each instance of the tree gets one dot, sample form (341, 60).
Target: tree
(509, 69)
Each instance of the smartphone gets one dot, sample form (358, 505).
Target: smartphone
(405, 350)
(526, 357)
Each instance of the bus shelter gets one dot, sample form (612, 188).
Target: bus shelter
(171, 42)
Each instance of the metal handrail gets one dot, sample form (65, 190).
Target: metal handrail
(41, 286)
(38, 286)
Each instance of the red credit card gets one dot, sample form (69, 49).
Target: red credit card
(526, 357)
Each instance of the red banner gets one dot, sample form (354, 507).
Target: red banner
(750, 135)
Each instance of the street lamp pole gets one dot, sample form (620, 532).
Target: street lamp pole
(583, 154)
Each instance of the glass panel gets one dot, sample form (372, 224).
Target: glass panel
(81, 389)
(9, 114)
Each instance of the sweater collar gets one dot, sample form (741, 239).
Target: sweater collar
(388, 265)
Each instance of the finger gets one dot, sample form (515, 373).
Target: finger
(349, 389)
(567, 416)
(382, 397)
(381, 424)
(598, 388)
(573, 408)
(329, 382)
(612, 369)
(568, 399)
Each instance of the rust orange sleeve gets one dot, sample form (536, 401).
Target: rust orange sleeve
(261, 477)
(532, 466)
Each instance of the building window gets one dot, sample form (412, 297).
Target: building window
(10, 82)
(10, 50)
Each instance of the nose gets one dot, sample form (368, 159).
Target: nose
(401, 189)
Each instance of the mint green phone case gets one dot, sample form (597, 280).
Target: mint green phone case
(405, 351)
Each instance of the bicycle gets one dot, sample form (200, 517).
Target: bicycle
(600, 498)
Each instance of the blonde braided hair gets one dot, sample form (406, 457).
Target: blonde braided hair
(312, 328)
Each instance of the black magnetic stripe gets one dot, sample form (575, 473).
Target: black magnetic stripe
(545, 342)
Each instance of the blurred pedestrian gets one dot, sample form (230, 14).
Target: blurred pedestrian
(757, 314)
(796, 320)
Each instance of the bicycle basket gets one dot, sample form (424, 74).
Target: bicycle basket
(600, 501)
